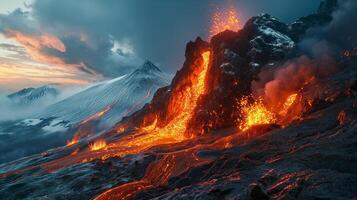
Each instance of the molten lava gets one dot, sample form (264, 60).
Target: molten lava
(258, 113)
(255, 114)
(174, 131)
(97, 115)
(74, 140)
(98, 145)
(226, 20)
(177, 126)
(287, 104)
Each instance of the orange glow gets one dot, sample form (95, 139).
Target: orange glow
(97, 115)
(98, 145)
(120, 130)
(287, 104)
(150, 127)
(255, 114)
(226, 20)
(74, 140)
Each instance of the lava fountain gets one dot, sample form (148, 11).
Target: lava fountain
(224, 20)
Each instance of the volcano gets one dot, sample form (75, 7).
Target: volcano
(250, 115)
(123, 95)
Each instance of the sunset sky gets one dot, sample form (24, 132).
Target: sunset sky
(79, 42)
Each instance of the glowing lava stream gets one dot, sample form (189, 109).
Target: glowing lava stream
(97, 115)
(175, 130)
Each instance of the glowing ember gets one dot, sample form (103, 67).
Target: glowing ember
(222, 21)
(342, 117)
(255, 114)
(98, 145)
(288, 102)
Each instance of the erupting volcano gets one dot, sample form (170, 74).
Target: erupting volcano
(250, 115)
(224, 20)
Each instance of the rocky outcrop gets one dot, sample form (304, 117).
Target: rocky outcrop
(237, 58)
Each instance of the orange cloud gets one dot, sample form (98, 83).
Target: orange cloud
(18, 75)
(34, 45)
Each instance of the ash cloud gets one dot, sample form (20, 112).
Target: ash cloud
(336, 37)
(322, 48)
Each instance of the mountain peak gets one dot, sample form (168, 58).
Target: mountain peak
(148, 66)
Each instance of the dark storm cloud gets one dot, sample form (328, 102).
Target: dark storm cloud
(18, 20)
(157, 30)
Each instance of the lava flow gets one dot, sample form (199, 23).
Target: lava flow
(74, 140)
(97, 115)
(98, 145)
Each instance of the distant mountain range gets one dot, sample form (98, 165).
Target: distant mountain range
(31, 95)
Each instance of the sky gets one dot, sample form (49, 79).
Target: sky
(80, 42)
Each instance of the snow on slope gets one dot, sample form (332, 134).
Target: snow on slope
(124, 94)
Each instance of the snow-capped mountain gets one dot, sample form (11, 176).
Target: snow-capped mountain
(123, 95)
(34, 95)
(52, 126)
